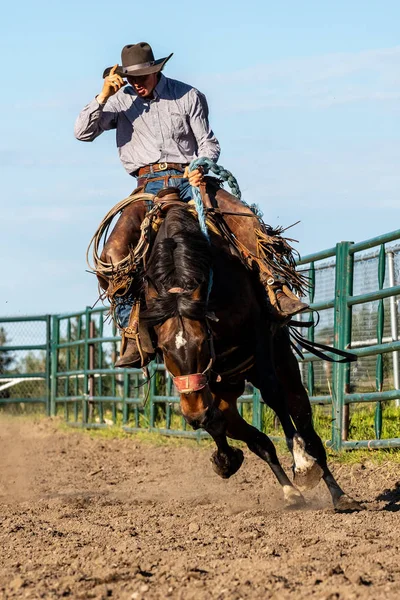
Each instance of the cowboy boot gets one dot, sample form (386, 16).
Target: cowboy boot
(243, 227)
(282, 299)
(289, 305)
(130, 357)
(137, 348)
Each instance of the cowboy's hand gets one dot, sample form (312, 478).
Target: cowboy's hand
(195, 177)
(112, 83)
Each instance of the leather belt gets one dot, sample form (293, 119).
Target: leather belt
(156, 168)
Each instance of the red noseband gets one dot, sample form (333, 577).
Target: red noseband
(187, 384)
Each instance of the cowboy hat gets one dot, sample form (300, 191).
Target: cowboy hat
(138, 60)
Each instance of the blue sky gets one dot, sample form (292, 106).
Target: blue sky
(304, 98)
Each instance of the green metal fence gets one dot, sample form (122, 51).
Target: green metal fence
(70, 368)
(92, 393)
(25, 367)
(342, 303)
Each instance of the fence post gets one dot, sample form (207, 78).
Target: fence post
(342, 336)
(85, 412)
(91, 388)
(48, 365)
(54, 363)
(393, 322)
(257, 408)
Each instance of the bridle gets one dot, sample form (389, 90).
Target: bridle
(187, 384)
(194, 382)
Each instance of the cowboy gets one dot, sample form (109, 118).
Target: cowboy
(161, 126)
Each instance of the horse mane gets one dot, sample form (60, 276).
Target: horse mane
(180, 258)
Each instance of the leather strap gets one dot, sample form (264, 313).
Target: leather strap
(160, 167)
(143, 181)
(319, 349)
(187, 384)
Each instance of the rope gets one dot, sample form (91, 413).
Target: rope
(201, 214)
(124, 266)
(100, 266)
(225, 175)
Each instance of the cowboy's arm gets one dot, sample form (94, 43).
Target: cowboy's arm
(207, 143)
(94, 119)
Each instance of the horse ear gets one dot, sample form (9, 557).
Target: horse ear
(151, 290)
(196, 294)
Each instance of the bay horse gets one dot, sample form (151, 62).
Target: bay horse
(215, 332)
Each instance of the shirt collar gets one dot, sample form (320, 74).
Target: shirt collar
(160, 86)
(157, 90)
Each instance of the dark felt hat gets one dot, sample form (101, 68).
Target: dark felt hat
(138, 60)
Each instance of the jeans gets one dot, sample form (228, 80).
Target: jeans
(153, 187)
(123, 304)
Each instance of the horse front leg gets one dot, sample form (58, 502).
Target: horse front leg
(199, 411)
(259, 443)
(226, 460)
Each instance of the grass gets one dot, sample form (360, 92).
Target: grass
(362, 419)
(322, 420)
(350, 457)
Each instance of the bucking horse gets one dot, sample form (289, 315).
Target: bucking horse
(208, 315)
(215, 333)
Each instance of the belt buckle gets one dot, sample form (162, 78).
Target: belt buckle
(162, 166)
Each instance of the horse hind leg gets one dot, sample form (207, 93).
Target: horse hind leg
(300, 411)
(306, 471)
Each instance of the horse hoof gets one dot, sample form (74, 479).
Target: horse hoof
(347, 504)
(308, 479)
(226, 465)
(293, 499)
(307, 472)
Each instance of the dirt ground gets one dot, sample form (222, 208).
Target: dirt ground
(91, 517)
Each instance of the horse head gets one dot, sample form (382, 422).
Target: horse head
(177, 290)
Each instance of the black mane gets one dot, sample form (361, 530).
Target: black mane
(181, 258)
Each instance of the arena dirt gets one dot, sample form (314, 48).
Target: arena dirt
(85, 517)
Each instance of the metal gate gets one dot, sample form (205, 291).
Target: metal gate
(354, 291)
(25, 354)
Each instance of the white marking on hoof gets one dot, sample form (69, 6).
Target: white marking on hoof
(307, 472)
(293, 498)
(180, 340)
(302, 460)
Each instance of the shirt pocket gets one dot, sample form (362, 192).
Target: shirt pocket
(180, 127)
